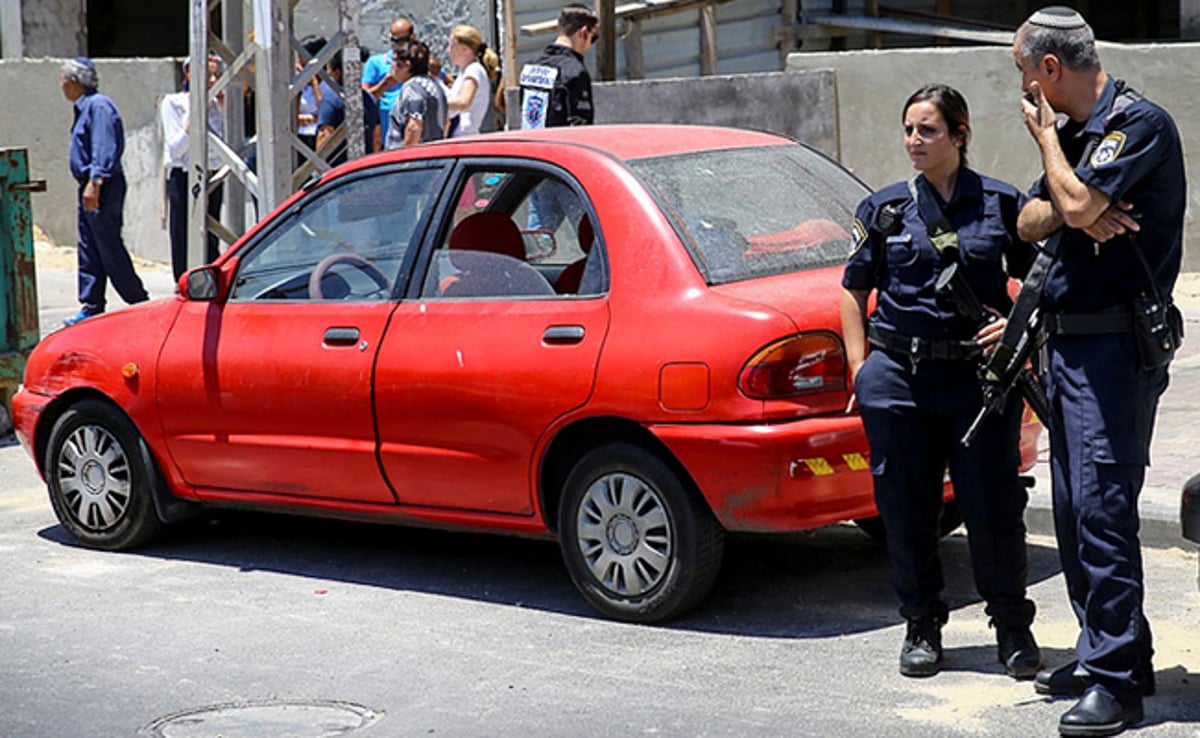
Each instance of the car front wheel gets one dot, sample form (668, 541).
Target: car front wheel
(638, 542)
(99, 474)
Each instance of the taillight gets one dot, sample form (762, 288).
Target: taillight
(800, 365)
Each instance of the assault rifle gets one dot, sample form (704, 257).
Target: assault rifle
(1007, 367)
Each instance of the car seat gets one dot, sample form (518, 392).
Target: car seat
(568, 280)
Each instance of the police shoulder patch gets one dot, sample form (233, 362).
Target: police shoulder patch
(859, 232)
(1109, 149)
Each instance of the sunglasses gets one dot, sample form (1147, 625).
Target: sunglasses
(401, 39)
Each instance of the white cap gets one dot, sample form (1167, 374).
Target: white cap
(1057, 16)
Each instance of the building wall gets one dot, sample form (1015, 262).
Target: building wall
(873, 85)
(42, 123)
(55, 28)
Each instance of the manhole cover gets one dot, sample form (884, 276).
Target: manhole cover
(265, 720)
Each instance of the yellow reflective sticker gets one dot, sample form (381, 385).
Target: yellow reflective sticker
(856, 462)
(1109, 149)
(819, 466)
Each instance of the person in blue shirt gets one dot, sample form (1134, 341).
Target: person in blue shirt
(97, 142)
(918, 389)
(332, 112)
(378, 74)
(1114, 194)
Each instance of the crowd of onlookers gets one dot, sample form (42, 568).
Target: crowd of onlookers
(408, 98)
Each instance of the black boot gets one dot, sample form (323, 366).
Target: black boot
(922, 652)
(1098, 714)
(1018, 651)
(1069, 680)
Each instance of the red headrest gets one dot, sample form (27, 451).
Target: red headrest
(489, 231)
(586, 233)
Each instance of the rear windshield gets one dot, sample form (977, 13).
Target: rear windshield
(755, 212)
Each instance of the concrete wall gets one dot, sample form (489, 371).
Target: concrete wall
(38, 118)
(55, 28)
(873, 85)
(797, 104)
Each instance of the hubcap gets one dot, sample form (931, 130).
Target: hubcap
(624, 534)
(93, 475)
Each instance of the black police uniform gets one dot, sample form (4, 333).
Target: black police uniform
(919, 391)
(571, 98)
(1104, 403)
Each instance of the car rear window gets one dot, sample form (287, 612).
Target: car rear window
(755, 212)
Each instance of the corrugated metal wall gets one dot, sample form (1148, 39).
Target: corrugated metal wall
(745, 38)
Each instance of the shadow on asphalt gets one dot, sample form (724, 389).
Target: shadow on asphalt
(827, 582)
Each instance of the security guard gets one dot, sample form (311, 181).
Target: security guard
(919, 391)
(97, 142)
(1114, 184)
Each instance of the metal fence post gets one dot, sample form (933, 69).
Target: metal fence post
(18, 276)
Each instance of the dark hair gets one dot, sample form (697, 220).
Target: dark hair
(953, 107)
(313, 44)
(416, 53)
(1074, 47)
(576, 16)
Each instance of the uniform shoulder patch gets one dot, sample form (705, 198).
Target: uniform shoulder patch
(1108, 150)
(859, 232)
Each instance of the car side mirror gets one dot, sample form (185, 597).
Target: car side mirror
(201, 284)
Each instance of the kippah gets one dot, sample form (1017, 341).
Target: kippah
(1057, 16)
(84, 62)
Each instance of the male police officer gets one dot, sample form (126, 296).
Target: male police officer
(1114, 183)
(97, 142)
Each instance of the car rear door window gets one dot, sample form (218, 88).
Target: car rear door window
(516, 233)
(755, 212)
(346, 243)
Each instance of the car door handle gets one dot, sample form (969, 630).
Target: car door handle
(341, 336)
(563, 334)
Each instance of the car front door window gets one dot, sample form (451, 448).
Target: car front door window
(347, 244)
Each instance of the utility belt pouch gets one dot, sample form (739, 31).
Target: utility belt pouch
(1158, 327)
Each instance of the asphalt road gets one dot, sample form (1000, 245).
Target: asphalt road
(292, 627)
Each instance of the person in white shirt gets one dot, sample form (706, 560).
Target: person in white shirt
(174, 118)
(309, 101)
(470, 98)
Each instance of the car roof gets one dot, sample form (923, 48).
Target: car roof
(641, 140)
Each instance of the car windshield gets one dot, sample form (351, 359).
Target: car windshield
(755, 212)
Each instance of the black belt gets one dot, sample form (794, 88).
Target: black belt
(1113, 320)
(919, 349)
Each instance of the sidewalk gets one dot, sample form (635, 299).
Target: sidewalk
(1176, 437)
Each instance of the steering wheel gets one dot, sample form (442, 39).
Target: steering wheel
(323, 267)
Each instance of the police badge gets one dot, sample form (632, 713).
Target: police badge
(1108, 150)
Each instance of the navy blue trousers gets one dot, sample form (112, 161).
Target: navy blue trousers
(177, 221)
(1104, 406)
(914, 423)
(101, 250)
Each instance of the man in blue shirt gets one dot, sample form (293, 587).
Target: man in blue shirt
(378, 75)
(332, 112)
(97, 142)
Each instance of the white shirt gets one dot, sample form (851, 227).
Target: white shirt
(472, 118)
(173, 115)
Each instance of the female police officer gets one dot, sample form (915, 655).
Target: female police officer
(918, 390)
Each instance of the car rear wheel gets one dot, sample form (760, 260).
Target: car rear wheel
(639, 543)
(952, 517)
(99, 473)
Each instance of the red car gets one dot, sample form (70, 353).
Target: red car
(624, 337)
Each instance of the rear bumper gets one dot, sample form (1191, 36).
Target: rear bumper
(778, 477)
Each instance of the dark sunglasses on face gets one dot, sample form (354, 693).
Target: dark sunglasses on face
(401, 39)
